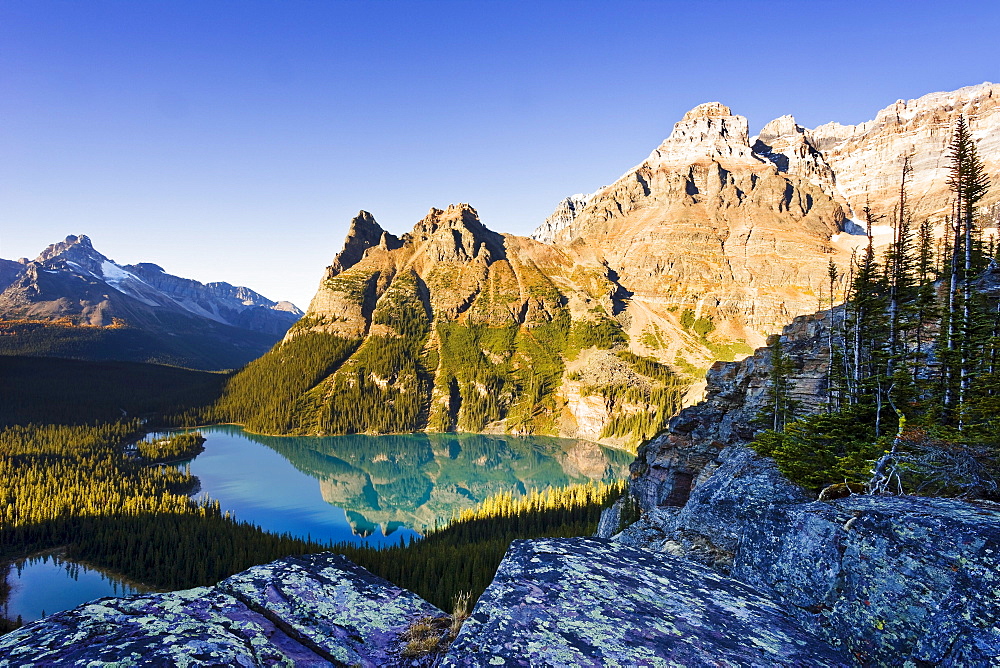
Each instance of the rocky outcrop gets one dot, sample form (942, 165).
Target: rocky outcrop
(565, 213)
(785, 143)
(887, 579)
(364, 233)
(590, 602)
(73, 301)
(554, 602)
(669, 466)
(317, 610)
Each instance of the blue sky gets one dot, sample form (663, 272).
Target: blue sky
(235, 140)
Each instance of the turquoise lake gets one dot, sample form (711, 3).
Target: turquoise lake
(383, 489)
(376, 490)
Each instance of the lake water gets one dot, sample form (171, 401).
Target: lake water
(360, 489)
(383, 489)
(46, 584)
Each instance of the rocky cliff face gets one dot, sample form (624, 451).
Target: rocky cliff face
(866, 159)
(739, 228)
(75, 296)
(671, 465)
(886, 579)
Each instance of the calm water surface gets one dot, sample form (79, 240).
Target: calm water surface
(383, 489)
(359, 489)
(46, 584)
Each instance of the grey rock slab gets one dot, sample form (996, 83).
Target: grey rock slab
(888, 578)
(593, 602)
(314, 610)
(195, 627)
(333, 605)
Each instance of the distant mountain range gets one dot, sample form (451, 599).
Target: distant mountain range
(72, 301)
(714, 241)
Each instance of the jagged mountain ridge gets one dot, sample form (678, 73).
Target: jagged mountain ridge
(714, 241)
(857, 164)
(454, 326)
(73, 289)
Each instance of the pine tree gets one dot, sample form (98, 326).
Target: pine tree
(782, 406)
(969, 184)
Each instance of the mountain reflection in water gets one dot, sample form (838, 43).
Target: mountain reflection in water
(411, 481)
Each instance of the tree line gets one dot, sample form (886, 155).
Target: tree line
(72, 488)
(913, 378)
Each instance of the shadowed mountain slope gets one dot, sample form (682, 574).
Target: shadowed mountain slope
(72, 301)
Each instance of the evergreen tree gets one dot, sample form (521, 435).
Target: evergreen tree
(781, 406)
(969, 184)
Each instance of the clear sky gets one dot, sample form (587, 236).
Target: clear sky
(235, 140)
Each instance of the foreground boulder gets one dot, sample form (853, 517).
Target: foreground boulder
(889, 580)
(314, 610)
(592, 602)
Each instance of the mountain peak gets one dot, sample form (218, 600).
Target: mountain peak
(364, 233)
(783, 126)
(456, 215)
(707, 110)
(709, 132)
(81, 243)
(456, 234)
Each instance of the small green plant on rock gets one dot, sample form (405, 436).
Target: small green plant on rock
(429, 637)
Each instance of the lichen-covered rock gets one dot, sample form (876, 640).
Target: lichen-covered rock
(195, 627)
(741, 489)
(343, 611)
(316, 610)
(890, 579)
(591, 602)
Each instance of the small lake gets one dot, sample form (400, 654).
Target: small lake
(376, 490)
(382, 489)
(46, 584)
